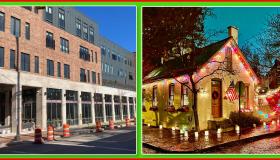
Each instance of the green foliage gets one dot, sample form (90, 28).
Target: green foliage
(245, 120)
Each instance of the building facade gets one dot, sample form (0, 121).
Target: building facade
(168, 101)
(60, 71)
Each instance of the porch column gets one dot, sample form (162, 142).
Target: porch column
(41, 108)
(92, 110)
(113, 109)
(103, 107)
(80, 117)
(7, 109)
(14, 109)
(63, 107)
(128, 108)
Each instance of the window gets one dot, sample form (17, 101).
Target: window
(36, 70)
(12, 59)
(78, 27)
(83, 75)
(88, 76)
(154, 98)
(61, 18)
(50, 43)
(130, 76)
(95, 57)
(184, 95)
(84, 53)
(98, 78)
(93, 77)
(91, 35)
(58, 69)
(229, 58)
(66, 71)
(49, 14)
(244, 98)
(27, 31)
(1, 57)
(2, 21)
(15, 26)
(103, 51)
(25, 62)
(50, 67)
(64, 45)
(85, 31)
(171, 94)
(114, 57)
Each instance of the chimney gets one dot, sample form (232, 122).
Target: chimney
(233, 32)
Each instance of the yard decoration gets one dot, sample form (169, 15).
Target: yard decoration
(183, 108)
(170, 109)
(154, 108)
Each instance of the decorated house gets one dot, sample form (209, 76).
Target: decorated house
(167, 97)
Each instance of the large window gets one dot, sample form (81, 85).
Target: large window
(15, 26)
(84, 53)
(103, 51)
(184, 94)
(2, 21)
(86, 107)
(98, 107)
(131, 107)
(124, 107)
(50, 67)
(66, 71)
(171, 94)
(64, 45)
(85, 31)
(50, 42)
(117, 108)
(91, 34)
(54, 114)
(93, 77)
(2, 57)
(61, 18)
(49, 14)
(36, 65)
(58, 69)
(83, 77)
(27, 31)
(108, 107)
(72, 107)
(12, 59)
(78, 27)
(25, 62)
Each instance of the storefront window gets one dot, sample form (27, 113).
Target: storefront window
(98, 107)
(117, 108)
(72, 107)
(54, 114)
(86, 107)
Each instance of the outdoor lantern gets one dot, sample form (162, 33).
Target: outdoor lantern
(237, 129)
(264, 124)
(160, 126)
(219, 131)
(273, 122)
(254, 125)
(278, 121)
(206, 133)
(149, 124)
(181, 131)
(186, 134)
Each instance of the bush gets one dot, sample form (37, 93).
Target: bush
(246, 119)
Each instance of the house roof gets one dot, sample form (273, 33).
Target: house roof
(175, 67)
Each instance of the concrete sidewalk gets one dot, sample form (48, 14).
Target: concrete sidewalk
(168, 141)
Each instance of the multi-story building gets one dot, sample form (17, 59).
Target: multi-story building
(60, 71)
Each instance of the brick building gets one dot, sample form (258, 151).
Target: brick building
(60, 71)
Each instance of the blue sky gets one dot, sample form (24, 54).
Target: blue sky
(250, 21)
(115, 23)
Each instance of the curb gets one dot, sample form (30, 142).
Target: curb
(212, 148)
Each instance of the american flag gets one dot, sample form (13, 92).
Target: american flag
(231, 93)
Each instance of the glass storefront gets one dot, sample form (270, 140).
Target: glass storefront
(117, 108)
(54, 110)
(124, 107)
(98, 107)
(86, 107)
(108, 107)
(72, 107)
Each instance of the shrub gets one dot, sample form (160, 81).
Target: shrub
(246, 119)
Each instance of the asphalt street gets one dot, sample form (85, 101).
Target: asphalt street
(118, 141)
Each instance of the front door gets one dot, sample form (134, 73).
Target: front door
(216, 98)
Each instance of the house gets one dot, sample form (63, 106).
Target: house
(162, 88)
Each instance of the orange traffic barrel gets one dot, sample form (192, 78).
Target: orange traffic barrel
(66, 130)
(127, 122)
(111, 124)
(50, 134)
(38, 136)
(98, 126)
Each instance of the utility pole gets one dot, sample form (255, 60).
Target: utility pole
(18, 92)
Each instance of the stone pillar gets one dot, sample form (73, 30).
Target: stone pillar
(103, 107)
(63, 107)
(128, 108)
(113, 109)
(15, 110)
(41, 108)
(7, 109)
(80, 109)
(93, 111)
